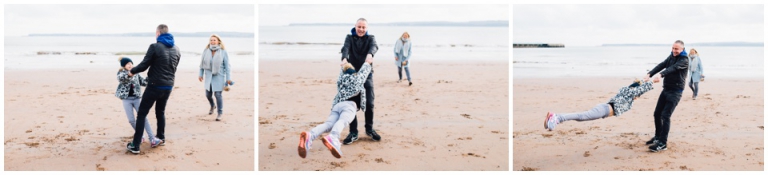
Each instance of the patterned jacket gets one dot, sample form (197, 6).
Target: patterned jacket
(350, 85)
(125, 84)
(622, 102)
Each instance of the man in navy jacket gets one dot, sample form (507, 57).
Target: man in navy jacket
(674, 71)
(358, 47)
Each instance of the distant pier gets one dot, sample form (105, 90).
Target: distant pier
(544, 45)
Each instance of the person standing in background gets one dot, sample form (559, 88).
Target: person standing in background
(402, 57)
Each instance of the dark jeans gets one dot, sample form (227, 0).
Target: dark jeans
(151, 96)
(668, 100)
(400, 73)
(219, 101)
(694, 87)
(368, 106)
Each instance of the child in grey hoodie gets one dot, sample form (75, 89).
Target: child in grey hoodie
(349, 99)
(616, 106)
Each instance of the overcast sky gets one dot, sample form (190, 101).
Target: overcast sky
(588, 25)
(280, 15)
(21, 20)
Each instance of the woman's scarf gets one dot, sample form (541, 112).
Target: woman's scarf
(694, 63)
(208, 56)
(402, 46)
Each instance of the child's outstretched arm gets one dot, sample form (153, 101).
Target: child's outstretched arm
(142, 80)
(365, 70)
(640, 90)
(122, 77)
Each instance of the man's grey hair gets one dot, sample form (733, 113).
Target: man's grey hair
(681, 42)
(162, 28)
(362, 19)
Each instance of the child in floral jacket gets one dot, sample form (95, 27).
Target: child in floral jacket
(129, 90)
(616, 106)
(349, 99)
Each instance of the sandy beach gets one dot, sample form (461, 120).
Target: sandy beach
(69, 119)
(721, 130)
(454, 117)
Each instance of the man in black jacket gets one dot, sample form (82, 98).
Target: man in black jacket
(674, 71)
(161, 59)
(358, 47)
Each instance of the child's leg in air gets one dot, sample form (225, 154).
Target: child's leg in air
(600, 111)
(347, 114)
(597, 112)
(306, 138)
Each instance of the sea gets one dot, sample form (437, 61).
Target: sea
(631, 61)
(93, 52)
(429, 43)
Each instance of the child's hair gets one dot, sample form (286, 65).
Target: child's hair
(636, 83)
(348, 69)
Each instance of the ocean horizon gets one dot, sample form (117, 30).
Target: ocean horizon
(631, 61)
(68, 52)
(429, 43)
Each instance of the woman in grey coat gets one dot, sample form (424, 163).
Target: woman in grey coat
(215, 70)
(696, 71)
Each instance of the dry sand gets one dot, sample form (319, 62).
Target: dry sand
(71, 120)
(454, 117)
(721, 130)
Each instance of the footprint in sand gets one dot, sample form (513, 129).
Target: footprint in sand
(272, 146)
(472, 154)
(467, 138)
(498, 132)
(264, 122)
(99, 168)
(381, 160)
(338, 164)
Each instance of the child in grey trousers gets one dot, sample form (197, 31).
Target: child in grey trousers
(616, 106)
(349, 99)
(129, 90)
